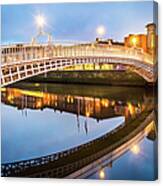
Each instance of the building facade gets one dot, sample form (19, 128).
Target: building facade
(147, 42)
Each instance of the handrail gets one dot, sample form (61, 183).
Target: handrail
(75, 51)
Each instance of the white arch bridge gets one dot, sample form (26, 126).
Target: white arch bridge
(21, 61)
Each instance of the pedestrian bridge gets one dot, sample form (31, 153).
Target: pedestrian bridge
(22, 61)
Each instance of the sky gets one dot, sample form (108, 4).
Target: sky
(75, 21)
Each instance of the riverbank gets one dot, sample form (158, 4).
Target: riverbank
(116, 78)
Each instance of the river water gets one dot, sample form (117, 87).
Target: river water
(41, 119)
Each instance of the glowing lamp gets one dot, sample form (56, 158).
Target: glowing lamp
(134, 41)
(40, 21)
(101, 30)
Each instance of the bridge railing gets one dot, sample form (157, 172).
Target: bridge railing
(29, 52)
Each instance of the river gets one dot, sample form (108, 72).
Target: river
(41, 119)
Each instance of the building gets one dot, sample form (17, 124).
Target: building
(136, 40)
(148, 42)
(152, 39)
(108, 42)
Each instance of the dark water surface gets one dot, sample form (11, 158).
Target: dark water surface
(40, 119)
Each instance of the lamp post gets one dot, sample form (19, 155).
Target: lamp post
(41, 22)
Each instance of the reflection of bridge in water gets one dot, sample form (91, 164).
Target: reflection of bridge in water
(68, 164)
(82, 160)
(95, 107)
(22, 61)
(108, 159)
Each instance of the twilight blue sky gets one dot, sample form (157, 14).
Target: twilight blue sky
(76, 21)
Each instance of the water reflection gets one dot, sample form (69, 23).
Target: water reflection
(95, 107)
(135, 149)
(47, 118)
(102, 174)
(136, 164)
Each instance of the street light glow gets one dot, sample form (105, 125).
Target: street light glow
(40, 21)
(101, 30)
(134, 41)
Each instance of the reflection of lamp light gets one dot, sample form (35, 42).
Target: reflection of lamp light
(131, 108)
(102, 174)
(38, 104)
(87, 114)
(9, 98)
(135, 149)
(105, 102)
(37, 84)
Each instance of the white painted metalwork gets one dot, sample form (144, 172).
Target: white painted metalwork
(25, 55)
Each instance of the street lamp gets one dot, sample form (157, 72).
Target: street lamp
(134, 41)
(40, 21)
(101, 30)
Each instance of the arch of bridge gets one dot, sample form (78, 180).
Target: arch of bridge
(36, 67)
